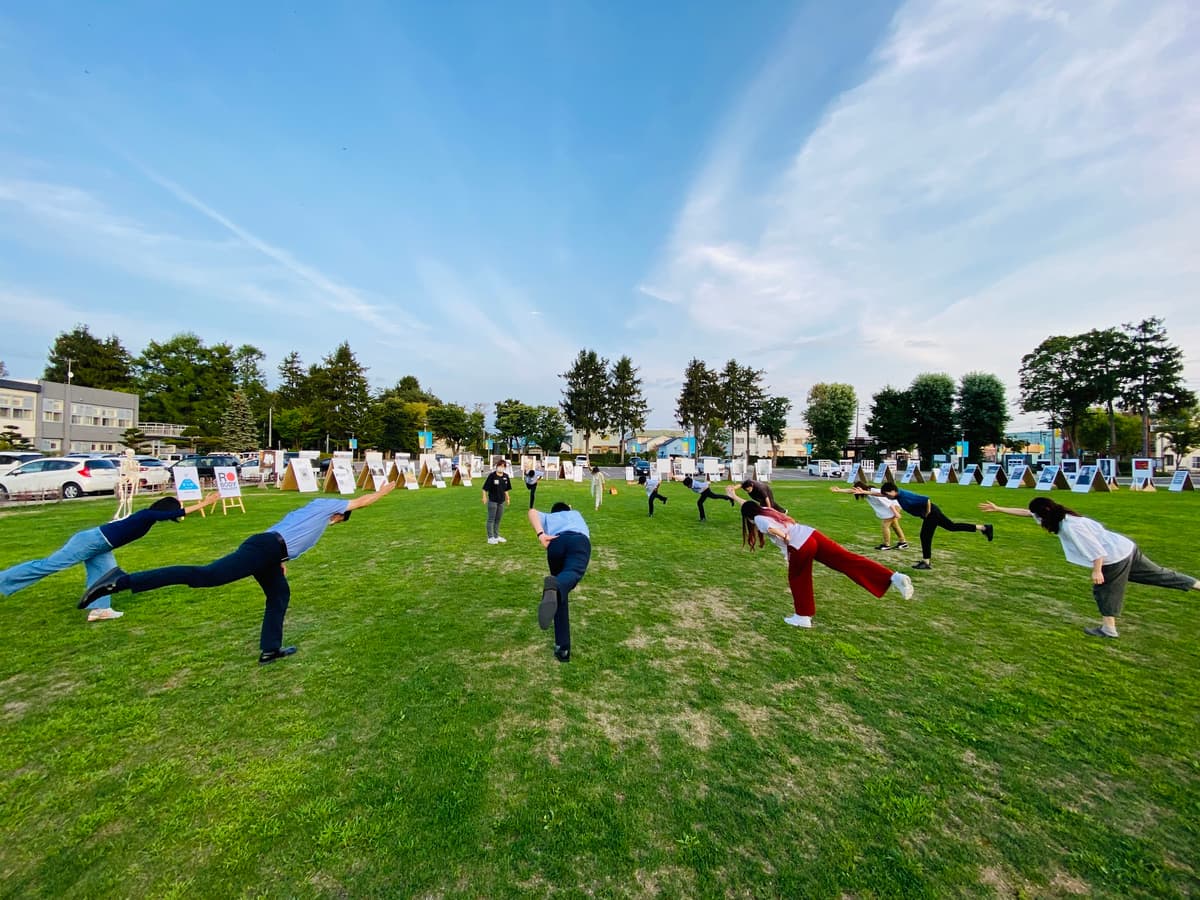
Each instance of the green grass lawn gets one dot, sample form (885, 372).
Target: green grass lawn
(970, 742)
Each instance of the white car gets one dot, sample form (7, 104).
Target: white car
(153, 473)
(61, 476)
(581, 461)
(825, 467)
(250, 470)
(10, 459)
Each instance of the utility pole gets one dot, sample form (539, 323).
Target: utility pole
(67, 410)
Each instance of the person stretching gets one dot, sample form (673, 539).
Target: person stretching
(888, 512)
(1114, 559)
(651, 483)
(94, 548)
(702, 487)
(532, 477)
(260, 556)
(801, 546)
(568, 544)
(927, 511)
(761, 493)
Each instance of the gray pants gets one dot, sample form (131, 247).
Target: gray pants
(495, 514)
(1110, 596)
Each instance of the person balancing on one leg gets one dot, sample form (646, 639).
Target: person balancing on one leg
(260, 556)
(651, 483)
(94, 549)
(568, 544)
(931, 518)
(704, 489)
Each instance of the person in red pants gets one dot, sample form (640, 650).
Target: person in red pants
(802, 545)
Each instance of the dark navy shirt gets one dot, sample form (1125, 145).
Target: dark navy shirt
(127, 530)
(913, 504)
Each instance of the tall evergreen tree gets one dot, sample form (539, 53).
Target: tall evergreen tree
(96, 363)
(292, 392)
(628, 408)
(698, 405)
(829, 414)
(741, 397)
(4, 369)
(1154, 375)
(981, 412)
(182, 380)
(585, 399)
(239, 432)
(772, 421)
(932, 397)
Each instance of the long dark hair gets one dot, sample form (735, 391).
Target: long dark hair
(750, 534)
(1049, 513)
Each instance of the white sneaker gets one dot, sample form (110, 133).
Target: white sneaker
(100, 615)
(903, 584)
(500, 540)
(493, 540)
(799, 621)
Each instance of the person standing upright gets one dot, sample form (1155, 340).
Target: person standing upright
(496, 488)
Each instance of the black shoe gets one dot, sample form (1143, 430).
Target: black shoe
(665, 499)
(106, 584)
(562, 654)
(883, 547)
(269, 656)
(549, 605)
(922, 565)
(903, 545)
(987, 532)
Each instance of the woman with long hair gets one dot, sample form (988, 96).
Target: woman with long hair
(802, 545)
(1114, 559)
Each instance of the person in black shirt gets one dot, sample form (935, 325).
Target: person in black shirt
(495, 497)
(760, 492)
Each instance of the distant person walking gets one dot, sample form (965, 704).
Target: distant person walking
(802, 545)
(1114, 559)
(597, 486)
(496, 489)
(568, 543)
(261, 557)
(93, 548)
(927, 511)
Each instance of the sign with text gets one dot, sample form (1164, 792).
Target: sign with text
(1182, 481)
(226, 478)
(187, 483)
(993, 473)
(1143, 473)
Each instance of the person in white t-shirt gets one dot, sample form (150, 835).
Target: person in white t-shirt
(887, 509)
(702, 487)
(801, 546)
(651, 483)
(1114, 559)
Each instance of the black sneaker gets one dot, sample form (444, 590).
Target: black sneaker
(903, 545)
(1098, 631)
(883, 547)
(106, 584)
(562, 654)
(549, 605)
(922, 565)
(987, 532)
(269, 656)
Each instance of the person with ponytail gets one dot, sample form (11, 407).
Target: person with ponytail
(802, 545)
(1114, 559)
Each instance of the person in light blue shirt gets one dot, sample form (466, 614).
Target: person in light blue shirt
(261, 557)
(568, 543)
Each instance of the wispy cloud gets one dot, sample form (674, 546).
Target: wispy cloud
(1005, 170)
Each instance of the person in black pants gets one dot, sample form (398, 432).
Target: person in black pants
(260, 556)
(702, 487)
(651, 483)
(760, 492)
(532, 477)
(568, 543)
(927, 511)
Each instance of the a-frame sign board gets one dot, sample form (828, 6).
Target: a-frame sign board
(1090, 478)
(993, 474)
(912, 474)
(430, 473)
(339, 478)
(1052, 479)
(462, 472)
(884, 474)
(945, 474)
(1020, 477)
(373, 475)
(857, 476)
(1182, 481)
(299, 477)
(970, 475)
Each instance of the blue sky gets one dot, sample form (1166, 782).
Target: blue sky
(473, 192)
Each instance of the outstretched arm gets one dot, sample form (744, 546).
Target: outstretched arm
(368, 499)
(989, 506)
(208, 501)
(731, 493)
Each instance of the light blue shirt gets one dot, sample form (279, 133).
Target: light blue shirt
(561, 522)
(303, 527)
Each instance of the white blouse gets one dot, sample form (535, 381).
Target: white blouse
(1084, 540)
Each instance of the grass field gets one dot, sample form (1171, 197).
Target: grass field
(970, 742)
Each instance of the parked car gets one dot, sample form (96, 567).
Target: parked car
(251, 470)
(831, 469)
(205, 464)
(10, 459)
(582, 460)
(641, 467)
(153, 474)
(66, 477)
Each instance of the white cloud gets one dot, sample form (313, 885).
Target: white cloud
(1005, 171)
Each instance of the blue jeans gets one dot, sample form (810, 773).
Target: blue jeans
(88, 547)
(259, 557)
(567, 556)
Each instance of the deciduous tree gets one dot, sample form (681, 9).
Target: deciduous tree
(932, 396)
(1055, 380)
(1154, 382)
(829, 414)
(891, 421)
(183, 380)
(981, 412)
